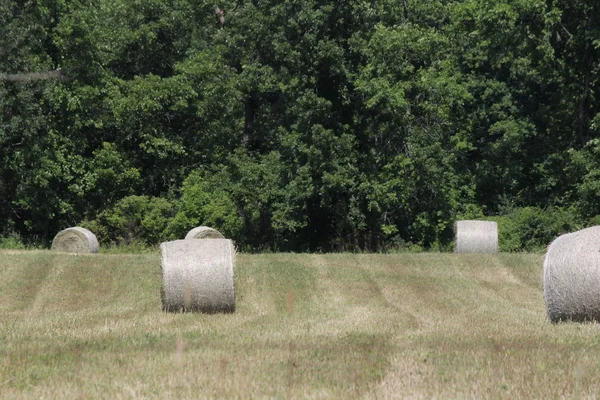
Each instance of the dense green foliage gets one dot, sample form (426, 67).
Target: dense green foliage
(300, 125)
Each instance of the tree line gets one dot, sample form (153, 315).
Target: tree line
(311, 125)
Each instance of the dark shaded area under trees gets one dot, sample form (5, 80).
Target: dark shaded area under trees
(299, 125)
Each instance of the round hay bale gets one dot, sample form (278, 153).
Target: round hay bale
(204, 232)
(198, 275)
(75, 240)
(572, 277)
(476, 237)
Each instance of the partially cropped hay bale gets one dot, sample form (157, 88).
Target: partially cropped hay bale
(204, 232)
(197, 275)
(476, 237)
(572, 276)
(75, 240)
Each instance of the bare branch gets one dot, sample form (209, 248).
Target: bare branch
(220, 15)
(566, 31)
(32, 76)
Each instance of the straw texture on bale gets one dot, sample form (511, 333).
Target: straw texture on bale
(476, 237)
(204, 232)
(75, 240)
(572, 277)
(198, 275)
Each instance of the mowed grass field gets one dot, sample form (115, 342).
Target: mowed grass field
(306, 326)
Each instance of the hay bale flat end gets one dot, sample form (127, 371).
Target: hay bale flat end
(572, 277)
(75, 240)
(204, 232)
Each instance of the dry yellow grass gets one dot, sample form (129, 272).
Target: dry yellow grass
(316, 326)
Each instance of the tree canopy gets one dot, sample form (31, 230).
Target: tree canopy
(298, 125)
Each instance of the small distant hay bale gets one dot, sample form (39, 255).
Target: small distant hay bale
(198, 275)
(75, 240)
(204, 232)
(476, 237)
(572, 277)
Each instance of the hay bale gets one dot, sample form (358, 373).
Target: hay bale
(75, 240)
(476, 237)
(572, 276)
(197, 275)
(204, 232)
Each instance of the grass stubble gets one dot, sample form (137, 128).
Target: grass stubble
(306, 326)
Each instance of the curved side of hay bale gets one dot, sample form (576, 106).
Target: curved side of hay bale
(204, 232)
(75, 240)
(572, 277)
(476, 237)
(198, 275)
